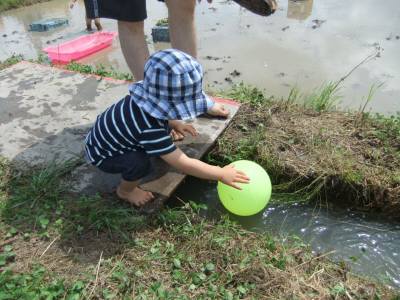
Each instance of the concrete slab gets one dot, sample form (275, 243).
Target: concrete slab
(46, 112)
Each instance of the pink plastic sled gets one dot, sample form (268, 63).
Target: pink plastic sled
(80, 47)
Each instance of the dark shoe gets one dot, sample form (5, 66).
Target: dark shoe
(259, 7)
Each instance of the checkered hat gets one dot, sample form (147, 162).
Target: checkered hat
(172, 87)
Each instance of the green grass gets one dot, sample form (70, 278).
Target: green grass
(175, 254)
(37, 284)
(98, 70)
(10, 4)
(162, 22)
(245, 94)
(10, 61)
(323, 99)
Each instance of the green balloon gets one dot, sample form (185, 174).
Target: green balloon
(253, 196)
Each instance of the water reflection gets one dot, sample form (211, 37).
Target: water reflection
(299, 9)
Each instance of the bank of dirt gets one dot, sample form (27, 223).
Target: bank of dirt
(10, 4)
(350, 158)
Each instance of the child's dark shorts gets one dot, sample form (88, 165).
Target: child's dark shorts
(132, 165)
(123, 10)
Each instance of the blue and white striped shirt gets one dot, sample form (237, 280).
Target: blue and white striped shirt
(125, 127)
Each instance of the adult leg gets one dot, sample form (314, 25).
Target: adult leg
(88, 24)
(98, 24)
(181, 24)
(134, 46)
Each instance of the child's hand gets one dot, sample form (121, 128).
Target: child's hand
(230, 175)
(181, 129)
(218, 110)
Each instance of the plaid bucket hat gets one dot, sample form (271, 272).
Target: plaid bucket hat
(172, 87)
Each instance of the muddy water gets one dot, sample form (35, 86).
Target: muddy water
(274, 53)
(370, 246)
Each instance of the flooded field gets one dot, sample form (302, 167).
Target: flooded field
(305, 43)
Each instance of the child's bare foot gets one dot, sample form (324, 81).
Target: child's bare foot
(136, 197)
(218, 110)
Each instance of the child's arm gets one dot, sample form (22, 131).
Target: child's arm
(228, 174)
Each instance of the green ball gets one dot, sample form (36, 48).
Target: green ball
(253, 197)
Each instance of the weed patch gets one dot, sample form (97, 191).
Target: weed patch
(323, 99)
(98, 70)
(314, 153)
(10, 61)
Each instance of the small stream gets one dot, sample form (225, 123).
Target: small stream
(370, 246)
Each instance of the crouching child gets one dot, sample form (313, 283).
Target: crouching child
(129, 132)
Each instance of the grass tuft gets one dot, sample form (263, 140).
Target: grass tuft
(323, 99)
(99, 70)
(162, 22)
(10, 61)
(246, 94)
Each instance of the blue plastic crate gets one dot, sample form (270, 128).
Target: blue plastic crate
(47, 24)
(160, 34)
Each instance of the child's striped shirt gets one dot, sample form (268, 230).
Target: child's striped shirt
(125, 127)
